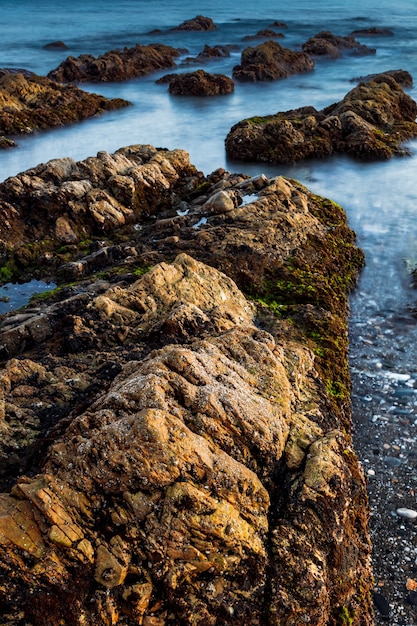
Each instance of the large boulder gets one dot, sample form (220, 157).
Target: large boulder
(205, 481)
(200, 83)
(327, 44)
(116, 65)
(29, 102)
(270, 61)
(371, 122)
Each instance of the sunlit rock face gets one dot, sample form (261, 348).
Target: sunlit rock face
(180, 452)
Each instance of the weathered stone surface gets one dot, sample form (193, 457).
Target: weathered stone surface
(200, 83)
(71, 202)
(174, 452)
(30, 102)
(116, 65)
(333, 46)
(200, 22)
(169, 480)
(372, 122)
(270, 61)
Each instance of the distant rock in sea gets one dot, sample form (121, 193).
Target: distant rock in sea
(116, 65)
(270, 61)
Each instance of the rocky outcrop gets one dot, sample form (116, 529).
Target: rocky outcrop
(402, 77)
(200, 22)
(64, 203)
(29, 103)
(174, 451)
(200, 83)
(270, 61)
(116, 65)
(371, 122)
(333, 46)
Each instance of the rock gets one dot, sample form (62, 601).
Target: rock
(327, 44)
(266, 33)
(197, 23)
(371, 122)
(214, 52)
(381, 604)
(171, 446)
(270, 61)
(402, 77)
(31, 102)
(373, 30)
(407, 513)
(200, 83)
(56, 45)
(412, 598)
(100, 195)
(184, 477)
(116, 65)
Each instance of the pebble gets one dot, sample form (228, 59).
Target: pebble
(412, 598)
(381, 604)
(407, 513)
(392, 461)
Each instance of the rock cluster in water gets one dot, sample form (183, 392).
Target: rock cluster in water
(327, 44)
(116, 65)
(270, 61)
(372, 121)
(177, 426)
(29, 103)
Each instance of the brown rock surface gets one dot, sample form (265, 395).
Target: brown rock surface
(200, 22)
(116, 65)
(333, 46)
(270, 61)
(178, 453)
(200, 83)
(30, 102)
(371, 122)
(71, 202)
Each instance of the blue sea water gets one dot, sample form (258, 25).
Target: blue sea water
(380, 198)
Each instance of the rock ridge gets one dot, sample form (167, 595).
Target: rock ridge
(175, 430)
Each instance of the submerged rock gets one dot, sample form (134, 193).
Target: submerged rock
(29, 103)
(116, 65)
(175, 452)
(270, 61)
(371, 122)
